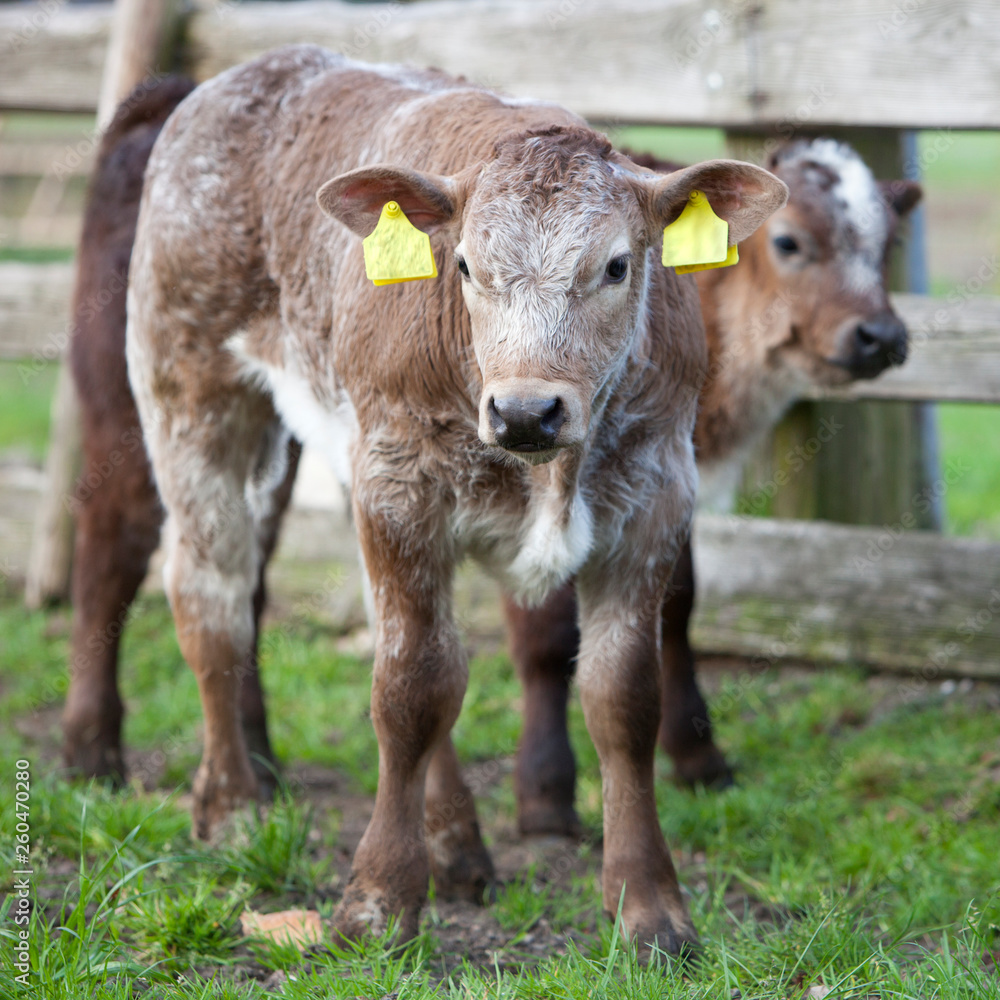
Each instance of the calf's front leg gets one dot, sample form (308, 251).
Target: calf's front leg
(618, 676)
(420, 674)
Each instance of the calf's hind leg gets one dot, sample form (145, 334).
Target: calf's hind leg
(685, 728)
(117, 529)
(543, 644)
(211, 573)
(459, 861)
(271, 489)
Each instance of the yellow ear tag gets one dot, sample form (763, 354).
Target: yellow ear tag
(697, 239)
(397, 250)
(732, 257)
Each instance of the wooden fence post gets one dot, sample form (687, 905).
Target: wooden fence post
(142, 33)
(882, 461)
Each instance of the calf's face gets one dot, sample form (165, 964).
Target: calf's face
(829, 251)
(550, 241)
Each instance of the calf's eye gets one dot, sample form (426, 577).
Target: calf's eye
(617, 269)
(462, 266)
(785, 245)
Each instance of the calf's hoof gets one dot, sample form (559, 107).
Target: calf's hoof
(704, 766)
(365, 910)
(683, 946)
(219, 800)
(461, 865)
(538, 816)
(674, 937)
(95, 759)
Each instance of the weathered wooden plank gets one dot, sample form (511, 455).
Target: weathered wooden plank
(772, 63)
(888, 598)
(954, 355)
(52, 55)
(34, 310)
(33, 158)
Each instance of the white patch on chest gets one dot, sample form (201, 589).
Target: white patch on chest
(328, 426)
(552, 549)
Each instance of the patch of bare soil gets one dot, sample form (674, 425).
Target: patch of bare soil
(463, 930)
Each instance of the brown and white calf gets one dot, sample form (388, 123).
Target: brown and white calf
(532, 407)
(807, 305)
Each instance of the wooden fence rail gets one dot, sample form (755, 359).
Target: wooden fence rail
(910, 601)
(34, 311)
(688, 62)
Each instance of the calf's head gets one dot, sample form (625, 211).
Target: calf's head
(828, 251)
(549, 238)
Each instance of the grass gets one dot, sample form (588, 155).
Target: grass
(36, 255)
(62, 127)
(683, 145)
(858, 850)
(970, 435)
(25, 401)
(959, 159)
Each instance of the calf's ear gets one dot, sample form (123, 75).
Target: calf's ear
(901, 196)
(742, 194)
(357, 197)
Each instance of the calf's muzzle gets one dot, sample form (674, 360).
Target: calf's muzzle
(526, 424)
(876, 343)
(533, 418)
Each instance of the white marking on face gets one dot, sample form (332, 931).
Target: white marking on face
(865, 211)
(542, 311)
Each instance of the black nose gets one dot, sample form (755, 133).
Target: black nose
(878, 342)
(526, 424)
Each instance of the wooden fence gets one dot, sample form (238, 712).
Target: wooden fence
(878, 595)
